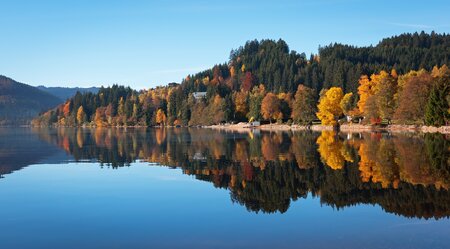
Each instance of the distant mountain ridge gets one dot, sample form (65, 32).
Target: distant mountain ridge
(64, 93)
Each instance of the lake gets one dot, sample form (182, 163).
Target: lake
(204, 188)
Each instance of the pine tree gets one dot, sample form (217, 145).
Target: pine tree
(437, 108)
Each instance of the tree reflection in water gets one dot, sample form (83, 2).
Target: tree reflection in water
(406, 174)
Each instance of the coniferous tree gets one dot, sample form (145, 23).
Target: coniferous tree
(437, 110)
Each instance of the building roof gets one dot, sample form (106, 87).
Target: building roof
(199, 95)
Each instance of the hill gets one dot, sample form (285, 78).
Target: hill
(64, 93)
(19, 102)
(400, 78)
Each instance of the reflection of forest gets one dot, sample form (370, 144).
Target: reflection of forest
(405, 174)
(19, 147)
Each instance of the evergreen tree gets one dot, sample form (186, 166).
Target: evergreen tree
(437, 110)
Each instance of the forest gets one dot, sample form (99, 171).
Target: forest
(403, 80)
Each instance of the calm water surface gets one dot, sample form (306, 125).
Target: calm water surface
(200, 188)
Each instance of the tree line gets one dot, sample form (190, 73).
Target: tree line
(397, 80)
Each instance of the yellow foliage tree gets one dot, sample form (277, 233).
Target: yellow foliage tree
(332, 150)
(121, 112)
(364, 91)
(100, 117)
(81, 116)
(232, 71)
(346, 103)
(241, 103)
(378, 163)
(330, 106)
(369, 87)
(160, 117)
(206, 80)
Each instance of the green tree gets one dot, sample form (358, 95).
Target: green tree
(256, 97)
(437, 108)
(304, 107)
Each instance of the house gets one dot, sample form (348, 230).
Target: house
(199, 95)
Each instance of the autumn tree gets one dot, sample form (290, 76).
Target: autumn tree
(413, 99)
(371, 110)
(67, 108)
(81, 116)
(109, 113)
(366, 88)
(333, 152)
(270, 107)
(216, 110)
(255, 101)
(198, 116)
(247, 82)
(136, 113)
(304, 107)
(402, 79)
(386, 96)
(369, 86)
(160, 117)
(330, 106)
(241, 104)
(381, 90)
(347, 103)
(99, 118)
(121, 112)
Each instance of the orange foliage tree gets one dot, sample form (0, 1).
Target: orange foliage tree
(270, 107)
(160, 117)
(66, 108)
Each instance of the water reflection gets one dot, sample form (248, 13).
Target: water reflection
(406, 174)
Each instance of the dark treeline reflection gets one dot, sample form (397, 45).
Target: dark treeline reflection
(21, 147)
(406, 174)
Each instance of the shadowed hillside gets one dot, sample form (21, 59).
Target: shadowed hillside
(19, 102)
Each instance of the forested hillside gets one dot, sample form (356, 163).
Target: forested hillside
(402, 79)
(19, 102)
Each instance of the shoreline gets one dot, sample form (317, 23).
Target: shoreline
(343, 128)
(245, 127)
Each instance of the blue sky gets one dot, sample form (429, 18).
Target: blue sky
(149, 43)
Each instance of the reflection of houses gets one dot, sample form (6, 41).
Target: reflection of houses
(255, 124)
(199, 156)
(199, 95)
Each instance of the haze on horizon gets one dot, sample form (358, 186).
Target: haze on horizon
(148, 43)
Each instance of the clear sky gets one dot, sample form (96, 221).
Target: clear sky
(149, 43)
